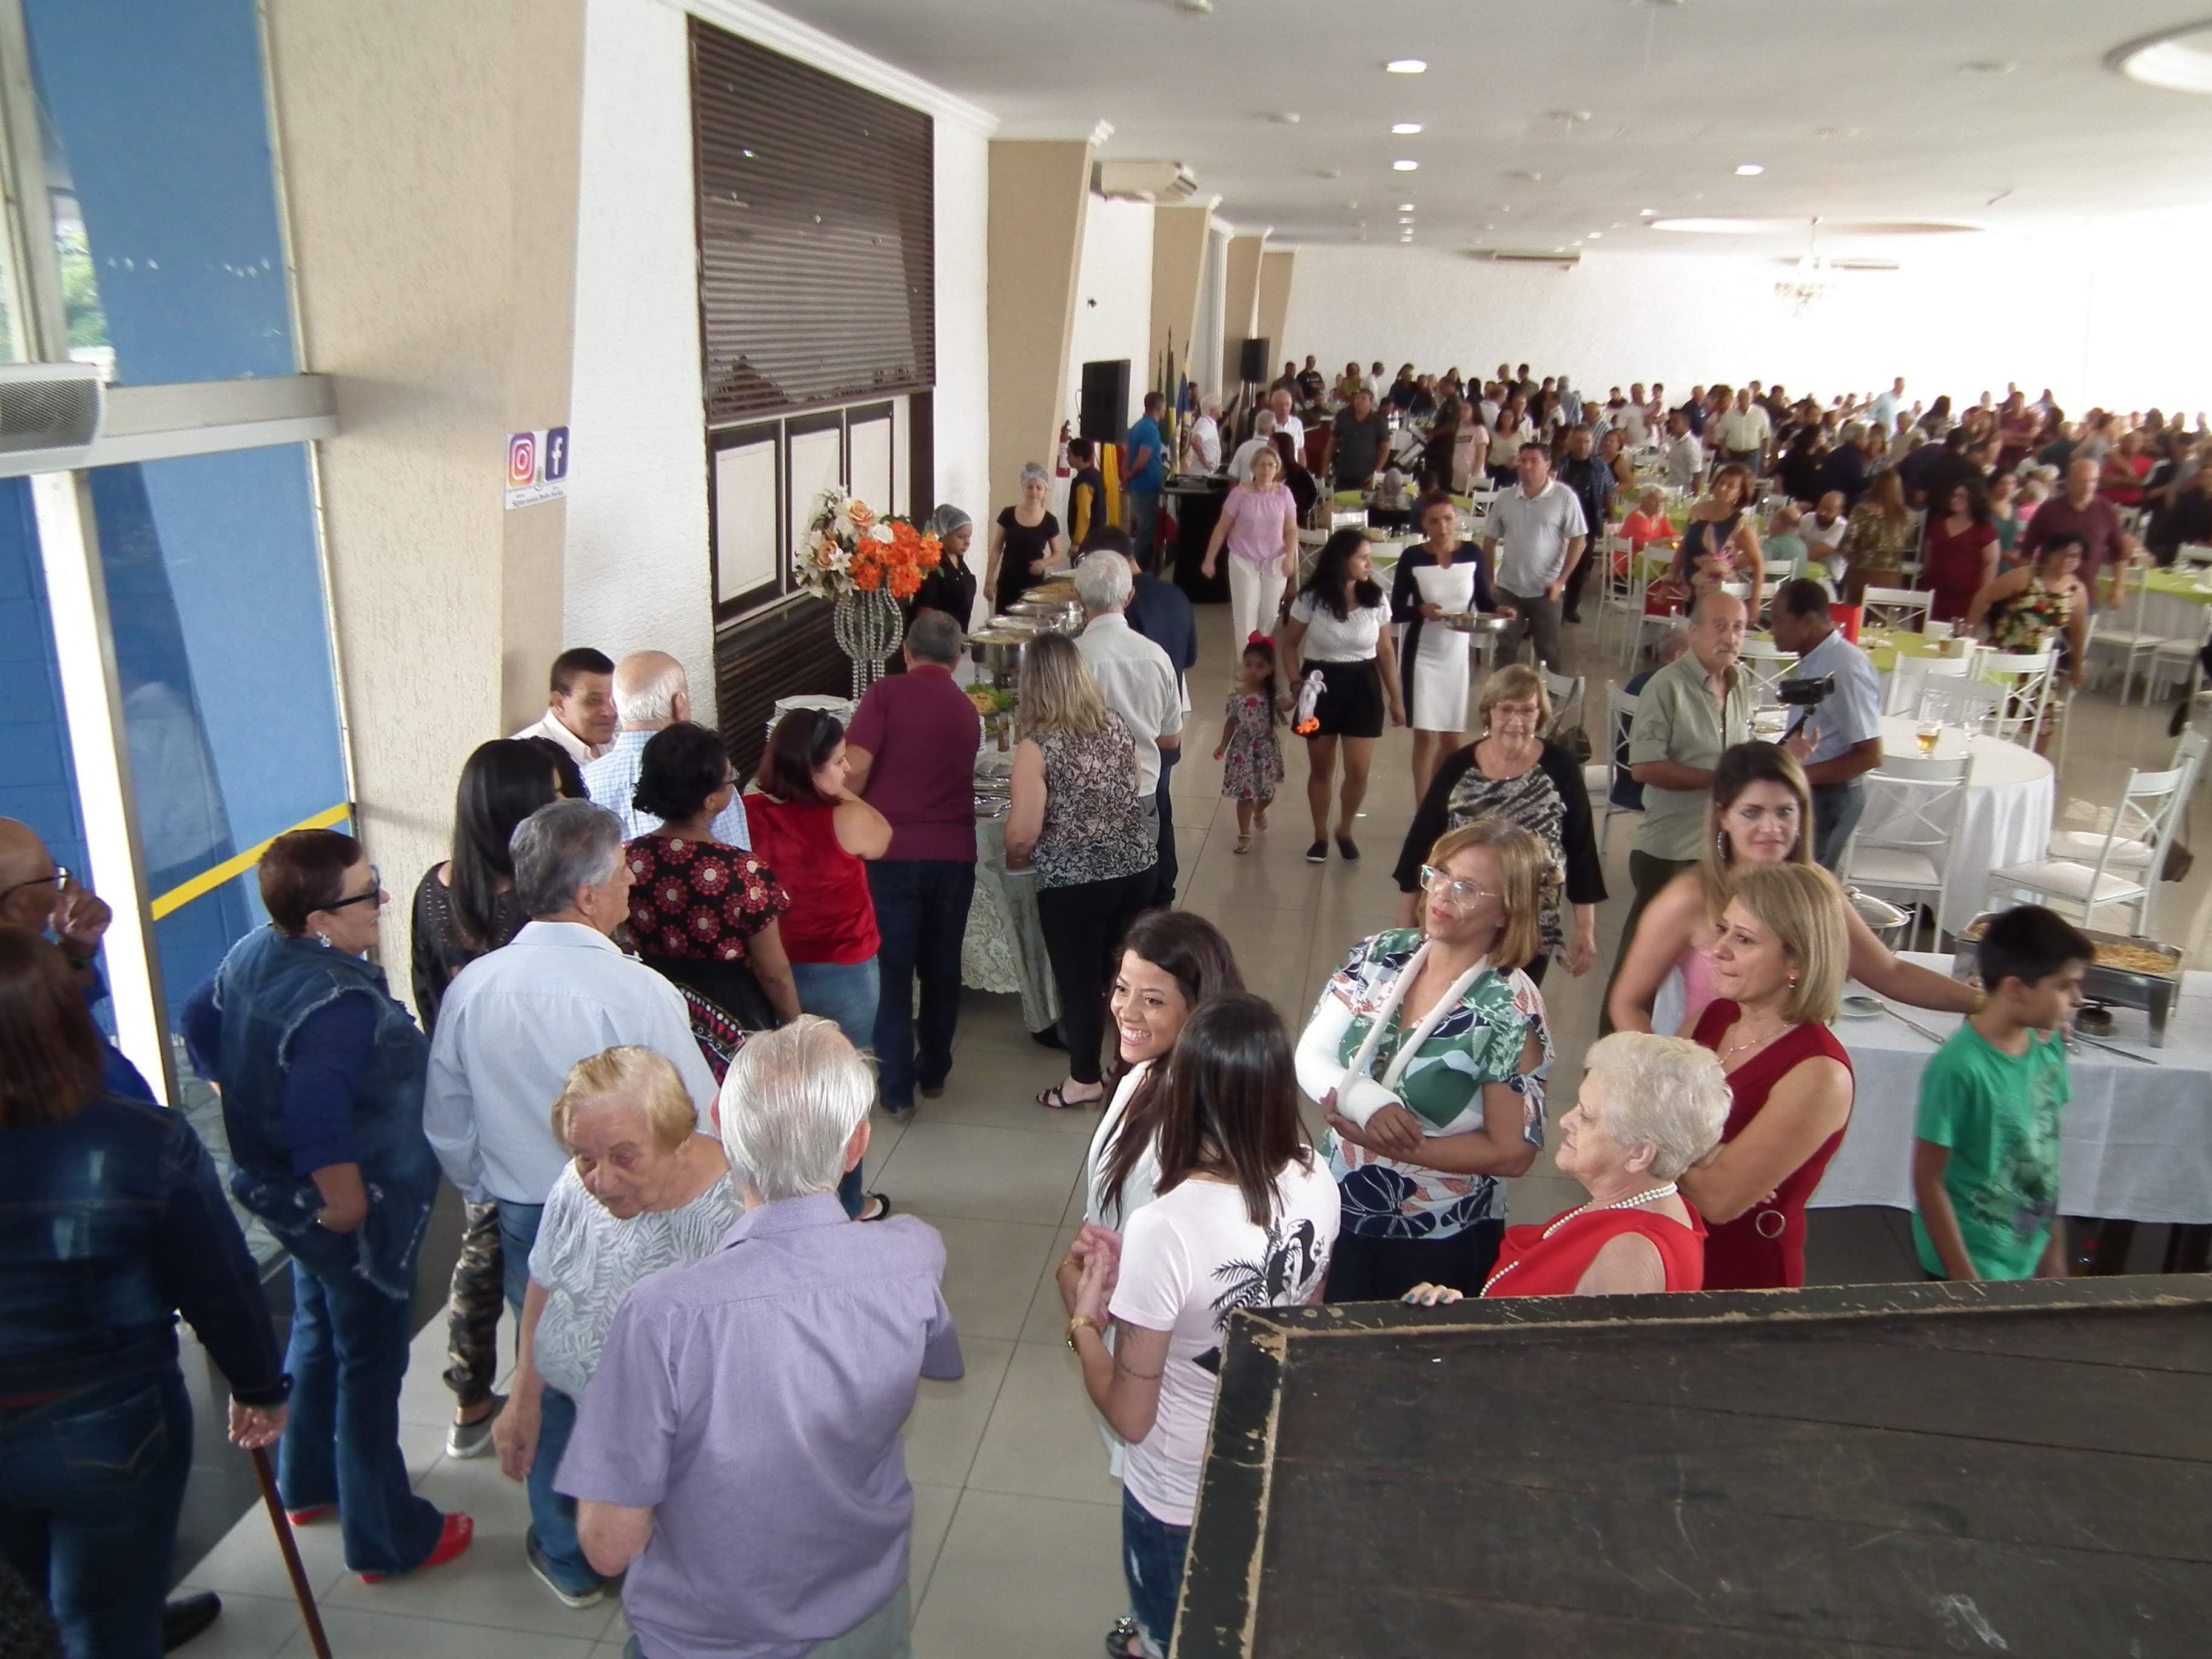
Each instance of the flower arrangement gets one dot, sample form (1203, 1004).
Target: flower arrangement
(850, 548)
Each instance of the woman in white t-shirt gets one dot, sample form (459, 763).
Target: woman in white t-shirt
(1245, 1216)
(1338, 638)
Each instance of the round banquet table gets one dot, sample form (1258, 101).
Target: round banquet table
(2010, 794)
(2174, 607)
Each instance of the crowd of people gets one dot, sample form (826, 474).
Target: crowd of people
(644, 1001)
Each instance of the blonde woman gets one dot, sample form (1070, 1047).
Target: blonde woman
(1260, 524)
(1760, 814)
(1078, 819)
(1780, 961)
(1512, 771)
(1426, 1052)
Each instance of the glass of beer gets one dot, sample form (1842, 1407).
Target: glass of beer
(1929, 733)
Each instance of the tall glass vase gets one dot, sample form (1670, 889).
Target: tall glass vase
(867, 629)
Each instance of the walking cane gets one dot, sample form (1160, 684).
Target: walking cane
(285, 1542)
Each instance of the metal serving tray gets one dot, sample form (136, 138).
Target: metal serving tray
(2154, 995)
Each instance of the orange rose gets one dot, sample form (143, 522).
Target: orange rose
(905, 584)
(867, 578)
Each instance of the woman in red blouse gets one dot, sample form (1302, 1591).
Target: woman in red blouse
(1779, 963)
(818, 834)
(1650, 1107)
(702, 912)
(1962, 552)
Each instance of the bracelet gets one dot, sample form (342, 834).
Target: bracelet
(1081, 1322)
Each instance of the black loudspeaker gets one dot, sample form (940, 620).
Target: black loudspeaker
(1252, 362)
(1105, 417)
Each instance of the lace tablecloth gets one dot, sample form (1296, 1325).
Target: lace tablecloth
(1004, 949)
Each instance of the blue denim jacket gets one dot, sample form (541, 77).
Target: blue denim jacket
(267, 984)
(110, 1223)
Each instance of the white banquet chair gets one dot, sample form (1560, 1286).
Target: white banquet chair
(1911, 855)
(1566, 691)
(1601, 774)
(1973, 704)
(2027, 678)
(2131, 852)
(2131, 639)
(1896, 607)
(1768, 665)
(2148, 813)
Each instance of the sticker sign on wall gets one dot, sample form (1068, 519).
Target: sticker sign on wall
(536, 466)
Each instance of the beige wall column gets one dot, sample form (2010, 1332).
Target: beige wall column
(1040, 195)
(1178, 264)
(1276, 266)
(430, 170)
(1240, 318)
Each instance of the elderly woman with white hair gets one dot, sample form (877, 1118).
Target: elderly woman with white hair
(1651, 1108)
(1027, 545)
(644, 1189)
(782, 1366)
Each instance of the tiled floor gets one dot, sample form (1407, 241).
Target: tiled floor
(1017, 1523)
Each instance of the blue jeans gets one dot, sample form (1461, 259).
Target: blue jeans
(921, 911)
(518, 1231)
(1153, 1554)
(1144, 522)
(552, 1516)
(90, 1487)
(348, 1355)
(844, 992)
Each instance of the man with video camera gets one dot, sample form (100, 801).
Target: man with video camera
(1836, 737)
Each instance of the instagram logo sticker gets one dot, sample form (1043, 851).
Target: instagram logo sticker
(521, 459)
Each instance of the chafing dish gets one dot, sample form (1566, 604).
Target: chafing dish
(2129, 973)
(997, 647)
(1062, 617)
(1883, 919)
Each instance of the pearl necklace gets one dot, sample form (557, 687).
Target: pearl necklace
(1652, 1196)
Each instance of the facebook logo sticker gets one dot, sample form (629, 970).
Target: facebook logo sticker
(556, 453)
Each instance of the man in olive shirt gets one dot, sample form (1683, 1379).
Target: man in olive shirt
(1690, 710)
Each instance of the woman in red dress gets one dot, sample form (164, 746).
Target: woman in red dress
(1779, 965)
(1650, 1107)
(1962, 552)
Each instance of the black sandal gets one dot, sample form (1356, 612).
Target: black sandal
(1120, 1639)
(1054, 1100)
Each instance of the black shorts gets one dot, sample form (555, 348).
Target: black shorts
(1350, 699)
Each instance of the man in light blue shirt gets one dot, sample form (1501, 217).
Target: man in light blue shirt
(1842, 741)
(651, 693)
(514, 1021)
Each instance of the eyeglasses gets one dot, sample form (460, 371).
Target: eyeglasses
(56, 881)
(1460, 894)
(373, 896)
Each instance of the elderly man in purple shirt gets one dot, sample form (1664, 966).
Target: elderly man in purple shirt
(737, 1452)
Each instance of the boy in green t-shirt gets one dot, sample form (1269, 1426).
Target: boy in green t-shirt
(1985, 1166)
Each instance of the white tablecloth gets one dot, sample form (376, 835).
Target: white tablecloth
(2137, 1138)
(2009, 798)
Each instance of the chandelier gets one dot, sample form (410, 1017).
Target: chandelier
(1811, 280)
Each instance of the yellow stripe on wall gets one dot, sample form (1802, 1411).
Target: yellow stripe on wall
(208, 880)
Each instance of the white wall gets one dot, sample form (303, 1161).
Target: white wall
(1113, 300)
(2085, 314)
(637, 571)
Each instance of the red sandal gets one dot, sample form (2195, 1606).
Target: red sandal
(454, 1539)
(308, 1516)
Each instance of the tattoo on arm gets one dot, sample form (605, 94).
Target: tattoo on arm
(1140, 1376)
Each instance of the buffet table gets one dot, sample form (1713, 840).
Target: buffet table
(2010, 795)
(2137, 1138)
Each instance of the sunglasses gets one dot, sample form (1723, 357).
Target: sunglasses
(373, 896)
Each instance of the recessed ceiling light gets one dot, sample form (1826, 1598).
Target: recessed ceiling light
(1988, 66)
(1405, 207)
(1403, 166)
(1405, 129)
(1594, 234)
(1332, 173)
(1530, 178)
(2179, 60)
(1647, 213)
(1749, 170)
(1407, 65)
(1288, 118)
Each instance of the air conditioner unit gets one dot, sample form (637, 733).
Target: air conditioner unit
(1143, 181)
(1517, 256)
(50, 414)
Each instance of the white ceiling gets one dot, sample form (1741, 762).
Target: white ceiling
(1857, 109)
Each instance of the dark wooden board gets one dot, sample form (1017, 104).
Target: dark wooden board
(2024, 1469)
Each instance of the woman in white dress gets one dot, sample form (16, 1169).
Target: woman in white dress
(1441, 576)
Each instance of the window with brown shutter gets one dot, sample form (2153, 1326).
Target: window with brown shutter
(816, 230)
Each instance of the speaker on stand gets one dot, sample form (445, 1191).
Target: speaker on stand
(1104, 418)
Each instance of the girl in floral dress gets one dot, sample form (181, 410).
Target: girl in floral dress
(1251, 753)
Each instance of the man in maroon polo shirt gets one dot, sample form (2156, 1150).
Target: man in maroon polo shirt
(2106, 544)
(912, 749)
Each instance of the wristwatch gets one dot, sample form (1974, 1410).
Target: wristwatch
(1079, 1322)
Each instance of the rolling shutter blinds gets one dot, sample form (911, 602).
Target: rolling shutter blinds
(816, 214)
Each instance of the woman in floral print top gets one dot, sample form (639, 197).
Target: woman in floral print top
(1426, 1051)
